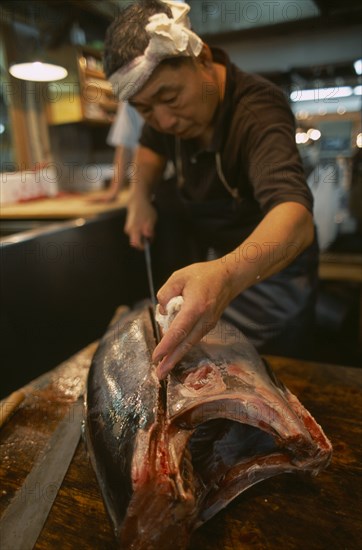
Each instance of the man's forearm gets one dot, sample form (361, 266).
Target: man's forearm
(209, 287)
(141, 215)
(279, 238)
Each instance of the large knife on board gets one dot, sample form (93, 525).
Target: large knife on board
(24, 518)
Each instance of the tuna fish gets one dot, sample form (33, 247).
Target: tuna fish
(228, 424)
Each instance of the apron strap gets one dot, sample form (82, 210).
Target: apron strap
(234, 191)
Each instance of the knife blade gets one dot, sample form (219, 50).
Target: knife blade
(147, 249)
(24, 518)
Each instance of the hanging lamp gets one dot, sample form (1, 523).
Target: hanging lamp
(38, 69)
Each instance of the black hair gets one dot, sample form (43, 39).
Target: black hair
(126, 38)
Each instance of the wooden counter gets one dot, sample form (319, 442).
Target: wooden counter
(65, 206)
(334, 266)
(288, 512)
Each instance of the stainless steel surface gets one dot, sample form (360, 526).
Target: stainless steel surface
(13, 227)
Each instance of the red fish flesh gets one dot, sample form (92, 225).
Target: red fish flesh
(228, 424)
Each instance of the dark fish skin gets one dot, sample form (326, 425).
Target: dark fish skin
(229, 424)
(119, 404)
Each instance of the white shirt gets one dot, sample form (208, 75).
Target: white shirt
(126, 128)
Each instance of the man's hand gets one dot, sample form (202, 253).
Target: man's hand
(140, 222)
(148, 168)
(105, 197)
(207, 290)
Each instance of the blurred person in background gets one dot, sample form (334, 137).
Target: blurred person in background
(123, 136)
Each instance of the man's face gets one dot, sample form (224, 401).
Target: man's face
(180, 100)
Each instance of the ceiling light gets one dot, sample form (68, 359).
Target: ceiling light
(314, 134)
(341, 110)
(302, 115)
(38, 71)
(358, 66)
(34, 64)
(301, 137)
(321, 94)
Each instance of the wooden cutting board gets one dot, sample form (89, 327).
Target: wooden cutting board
(288, 512)
(66, 206)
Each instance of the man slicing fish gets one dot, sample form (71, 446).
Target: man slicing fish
(240, 192)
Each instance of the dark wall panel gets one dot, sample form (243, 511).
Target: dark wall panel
(59, 288)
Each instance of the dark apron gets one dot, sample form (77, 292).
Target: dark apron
(277, 314)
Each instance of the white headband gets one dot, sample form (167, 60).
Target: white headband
(169, 37)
